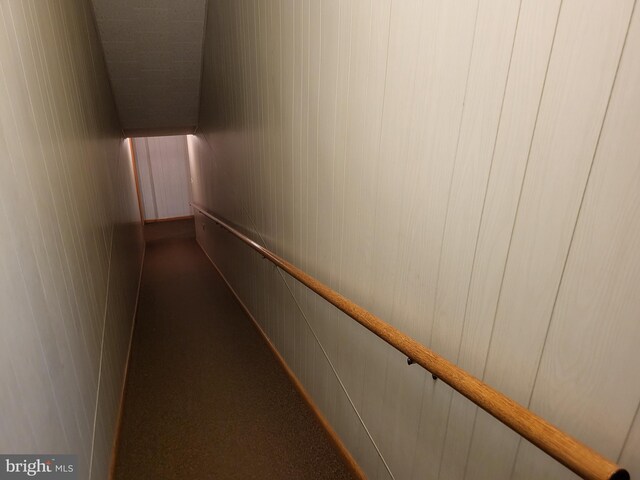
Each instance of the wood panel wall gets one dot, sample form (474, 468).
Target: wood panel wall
(469, 172)
(70, 237)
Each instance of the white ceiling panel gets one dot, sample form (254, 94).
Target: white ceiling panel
(153, 50)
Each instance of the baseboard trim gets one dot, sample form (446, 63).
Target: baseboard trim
(331, 433)
(170, 219)
(123, 390)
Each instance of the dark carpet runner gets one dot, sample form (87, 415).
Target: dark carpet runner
(205, 397)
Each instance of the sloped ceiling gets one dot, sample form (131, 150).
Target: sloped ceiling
(153, 50)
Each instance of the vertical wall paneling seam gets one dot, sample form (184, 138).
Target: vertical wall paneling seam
(259, 120)
(376, 167)
(280, 198)
(444, 226)
(307, 136)
(104, 327)
(38, 216)
(575, 225)
(257, 232)
(305, 90)
(626, 437)
(342, 226)
(482, 213)
(335, 372)
(238, 51)
(495, 141)
(246, 117)
(294, 70)
(332, 313)
(391, 355)
(293, 163)
(279, 172)
(317, 182)
(250, 114)
(524, 176)
(344, 154)
(305, 240)
(455, 157)
(202, 59)
(335, 129)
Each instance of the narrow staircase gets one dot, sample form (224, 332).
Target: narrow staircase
(205, 397)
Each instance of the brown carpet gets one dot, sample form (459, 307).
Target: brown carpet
(205, 397)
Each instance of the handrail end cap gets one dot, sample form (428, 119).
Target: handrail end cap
(620, 474)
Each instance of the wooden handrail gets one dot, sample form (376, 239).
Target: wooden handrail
(573, 454)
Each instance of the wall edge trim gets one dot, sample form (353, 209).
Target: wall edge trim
(335, 439)
(123, 389)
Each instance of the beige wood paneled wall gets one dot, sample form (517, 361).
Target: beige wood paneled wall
(468, 171)
(70, 237)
